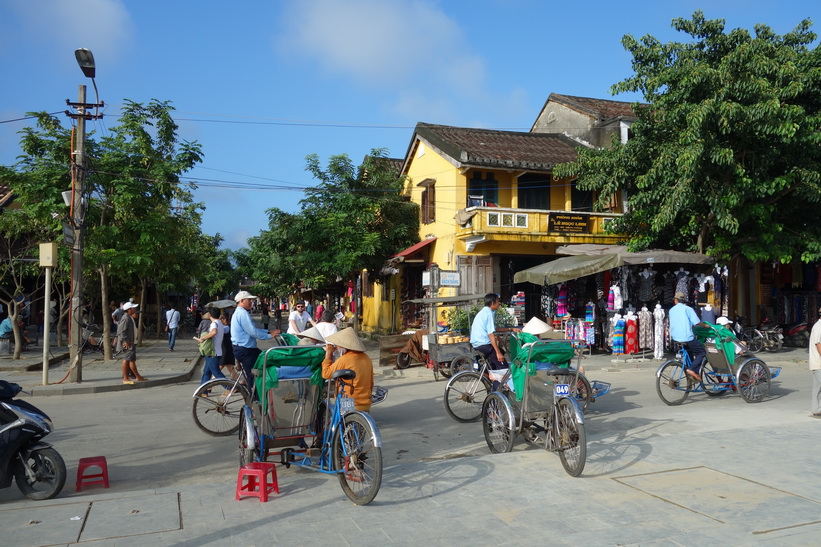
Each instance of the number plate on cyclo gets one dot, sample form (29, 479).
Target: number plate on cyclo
(346, 404)
(562, 389)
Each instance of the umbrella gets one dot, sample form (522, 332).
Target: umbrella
(221, 304)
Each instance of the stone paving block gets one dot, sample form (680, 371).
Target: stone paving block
(51, 524)
(120, 518)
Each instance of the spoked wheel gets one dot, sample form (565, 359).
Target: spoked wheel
(217, 407)
(42, 475)
(358, 459)
(465, 394)
(403, 360)
(672, 383)
(753, 380)
(246, 453)
(571, 440)
(498, 423)
(444, 370)
(712, 382)
(461, 363)
(755, 341)
(582, 391)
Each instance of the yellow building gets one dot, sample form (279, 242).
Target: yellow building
(489, 207)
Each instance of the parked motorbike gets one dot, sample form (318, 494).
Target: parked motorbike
(773, 336)
(794, 334)
(751, 336)
(37, 468)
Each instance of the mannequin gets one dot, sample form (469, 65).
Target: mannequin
(645, 328)
(708, 314)
(631, 333)
(618, 334)
(658, 332)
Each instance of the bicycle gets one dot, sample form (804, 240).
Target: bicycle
(218, 404)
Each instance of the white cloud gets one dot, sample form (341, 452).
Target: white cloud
(103, 26)
(408, 47)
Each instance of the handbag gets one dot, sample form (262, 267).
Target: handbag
(206, 347)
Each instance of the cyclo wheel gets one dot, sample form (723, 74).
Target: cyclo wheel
(357, 458)
(218, 411)
(465, 395)
(49, 472)
(460, 364)
(246, 454)
(672, 383)
(581, 391)
(712, 381)
(571, 440)
(753, 380)
(498, 423)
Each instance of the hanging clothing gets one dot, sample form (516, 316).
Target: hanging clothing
(645, 329)
(681, 282)
(561, 309)
(611, 299)
(658, 333)
(590, 312)
(631, 339)
(618, 337)
(708, 315)
(618, 301)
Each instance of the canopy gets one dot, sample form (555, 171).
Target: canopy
(221, 304)
(589, 259)
(567, 268)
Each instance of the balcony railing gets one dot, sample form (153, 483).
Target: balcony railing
(532, 223)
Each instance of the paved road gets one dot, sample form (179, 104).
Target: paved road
(712, 471)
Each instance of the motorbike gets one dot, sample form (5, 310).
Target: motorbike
(794, 334)
(751, 336)
(36, 467)
(773, 335)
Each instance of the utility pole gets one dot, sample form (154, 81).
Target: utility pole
(78, 211)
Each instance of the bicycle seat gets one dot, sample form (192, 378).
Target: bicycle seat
(344, 373)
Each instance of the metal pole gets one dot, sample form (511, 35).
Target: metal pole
(77, 214)
(46, 325)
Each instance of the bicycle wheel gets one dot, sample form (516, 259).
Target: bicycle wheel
(465, 394)
(403, 360)
(672, 384)
(712, 381)
(444, 370)
(48, 474)
(357, 458)
(753, 380)
(755, 341)
(571, 439)
(582, 391)
(217, 406)
(246, 454)
(497, 423)
(459, 364)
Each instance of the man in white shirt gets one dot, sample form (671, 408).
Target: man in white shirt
(815, 367)
(172, 320)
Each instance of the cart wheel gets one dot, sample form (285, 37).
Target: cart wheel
(673, 385)
(571, 440)
(357, 458)
(403, 360)
(465, 394)
(435, 367)
(497, 423)
(444, 370)
(714, 384)
(459, 364)
(753, 380)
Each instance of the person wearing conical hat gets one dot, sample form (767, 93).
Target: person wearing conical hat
(536, 327)
(355, 359)
(310, 337)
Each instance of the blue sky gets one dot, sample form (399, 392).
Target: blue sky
(262, 84)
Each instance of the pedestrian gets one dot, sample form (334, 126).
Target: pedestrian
(299, 319)
(172, 323)
(326, 325)
(355, 359)
(227, 348)
(127, 336)
(266, 316)
(309, 309)
(244, 335)
(215, 333)
(204, 324)
(815, 367)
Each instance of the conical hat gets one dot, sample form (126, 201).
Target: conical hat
(311, 333)
(346, 338)
(536, 327)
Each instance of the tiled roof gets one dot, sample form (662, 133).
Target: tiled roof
(499, 149)
(601, 109)
(6, 195)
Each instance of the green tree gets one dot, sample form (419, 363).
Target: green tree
(725, 154)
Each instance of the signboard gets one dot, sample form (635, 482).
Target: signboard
(447, 278)
(574, 223)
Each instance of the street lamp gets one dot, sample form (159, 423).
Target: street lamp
(86, 61)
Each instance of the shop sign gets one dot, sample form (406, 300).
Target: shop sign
(447, 278)
(574, 223)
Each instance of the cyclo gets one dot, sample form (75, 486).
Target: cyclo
(533, 398)
(307, 428)
(729, 366)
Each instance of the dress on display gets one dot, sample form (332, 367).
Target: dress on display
(658, 343)
(618, 337)
(645, 329)
(631, 340)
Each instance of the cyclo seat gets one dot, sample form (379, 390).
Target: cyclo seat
(344, 373)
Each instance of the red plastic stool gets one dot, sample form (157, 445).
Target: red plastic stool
(257, 472)
(85, 479)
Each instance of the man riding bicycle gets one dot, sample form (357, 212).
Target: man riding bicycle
(483, 333)
(682, 321)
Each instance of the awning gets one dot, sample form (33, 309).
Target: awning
(447, 299)
(413, 248)
(589, 259)
(567, 268)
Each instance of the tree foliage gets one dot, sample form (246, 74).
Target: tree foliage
(725, 153)
(353, 220)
